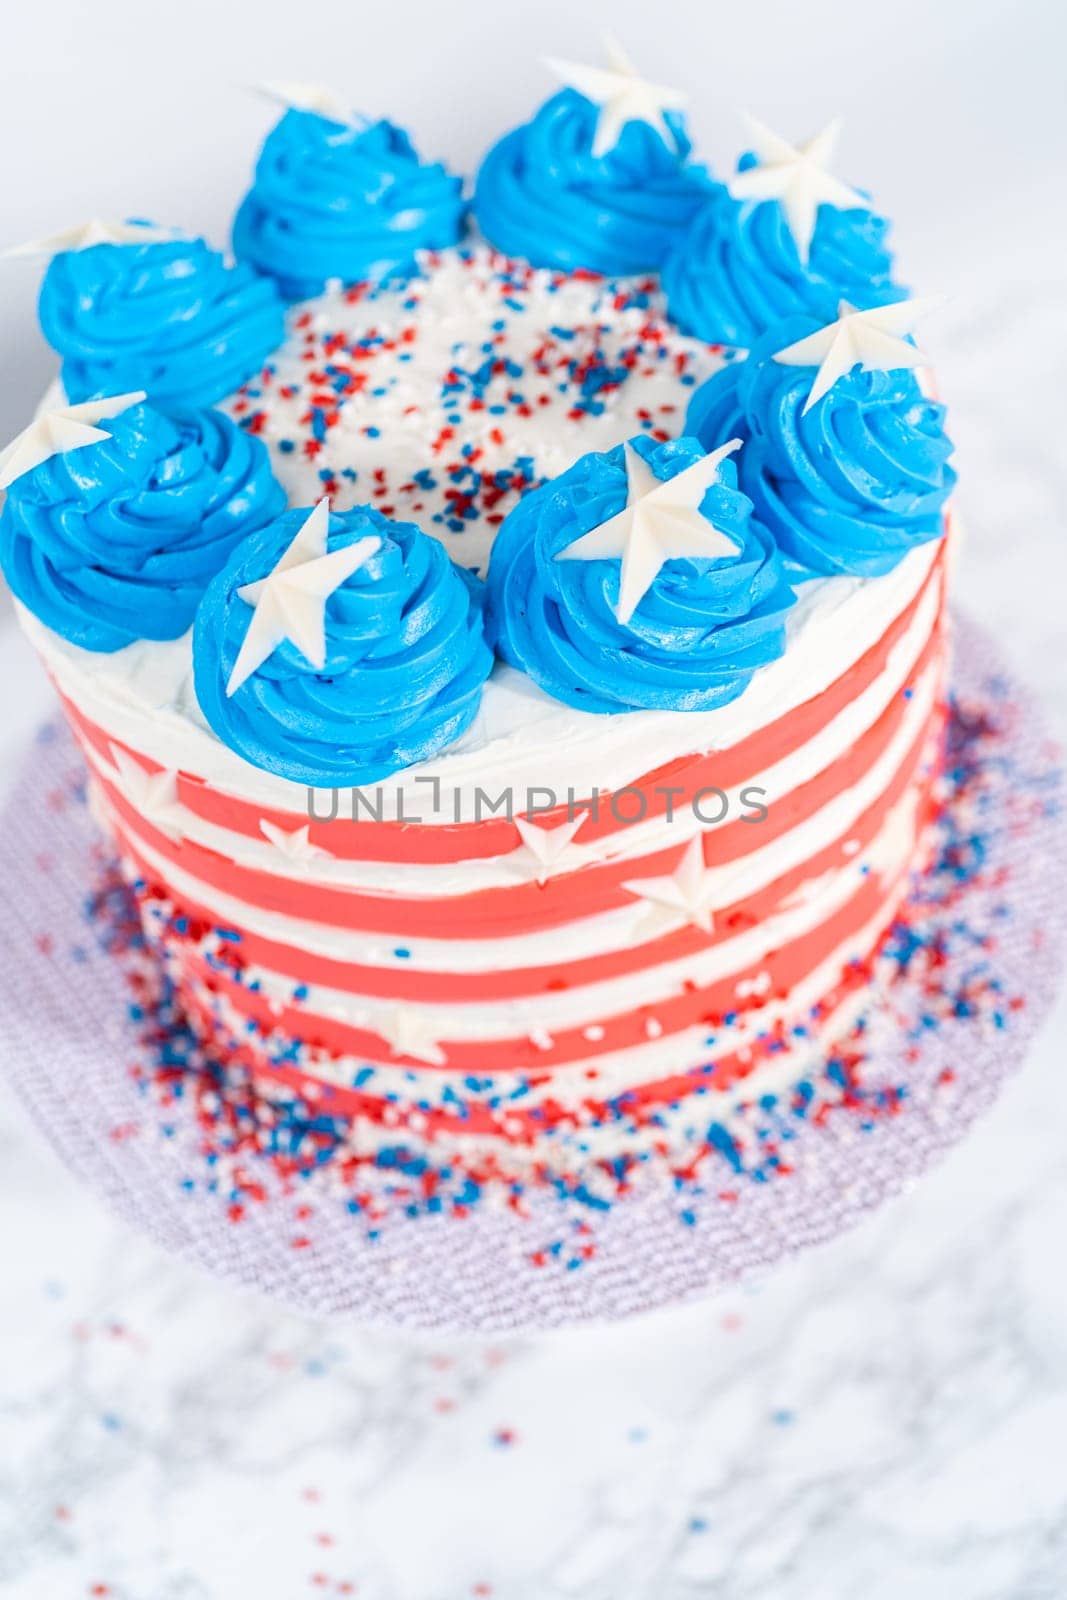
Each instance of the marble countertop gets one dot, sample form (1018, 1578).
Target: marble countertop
(886, 1415)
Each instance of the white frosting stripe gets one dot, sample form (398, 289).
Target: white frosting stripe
(601, 1073)
(143, 697)
(737, 956)
(428, 879)
(616, 930)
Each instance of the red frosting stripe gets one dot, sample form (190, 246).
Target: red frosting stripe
(402, 982)
(521, 1125)
(415, 843)
(524, 907)
(692, 1006)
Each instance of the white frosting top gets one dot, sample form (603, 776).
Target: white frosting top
(521, 737)
(440, 401)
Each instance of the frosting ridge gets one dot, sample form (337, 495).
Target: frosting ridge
(335, 201)
(737, 271)
(116, 541)
(697, 635)
(848, 486)
(168, 316)
(404, 665)
(543, 195)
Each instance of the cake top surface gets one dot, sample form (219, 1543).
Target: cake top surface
(551, 380)
(521, 736)
(446, 397)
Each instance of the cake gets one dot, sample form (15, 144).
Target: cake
(507, 640)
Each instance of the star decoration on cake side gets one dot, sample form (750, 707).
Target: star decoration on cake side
(409, 1034)
(622, 97)
(290, 602)
(153, 795)
(870, 339)
(61, 429)
(660, 522)
(296, 846)
(313, 97)
(684, 896)
(795, 176)
(87, 234)
(546, 851)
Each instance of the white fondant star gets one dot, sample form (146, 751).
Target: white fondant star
(290, 602)
(687, 893)
(622, 97)
(869, 339)
(660, 522)
(797, 178)
(154, 795)
(64, 428)
(85, 234)
(409, 1034)
(545, 851)
(296, 846)
(314, 97)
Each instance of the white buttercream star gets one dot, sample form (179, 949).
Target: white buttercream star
(545, 851)
(85, 234)
(661, 521)
(64, 428)
(869, 339)
(296, 846)
(687, 892)
(795, 176)
(315, 97)
(153, 795)
(407, 1033)
(290, 602)
(622, 97)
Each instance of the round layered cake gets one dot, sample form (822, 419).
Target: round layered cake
(516, 709)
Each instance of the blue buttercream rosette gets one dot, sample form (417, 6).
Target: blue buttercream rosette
(116, 541)
(542, 194)
(333, 201)
(852, 484)
(737, 271)
(404, 661)
(169, 317)
(698, 633)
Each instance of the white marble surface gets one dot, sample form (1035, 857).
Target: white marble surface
(886, 1416)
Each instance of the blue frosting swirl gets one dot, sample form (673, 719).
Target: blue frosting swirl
(850, 486)
(737, 271)
(330, 201)
(406, 658)
(117, 541)
(543, 195)
(169, 317)
(697, 635)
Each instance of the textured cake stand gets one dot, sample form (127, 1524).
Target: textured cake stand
(940, 1045)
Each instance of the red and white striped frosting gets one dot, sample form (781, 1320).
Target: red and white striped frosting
(503, 974)
(403, 958)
